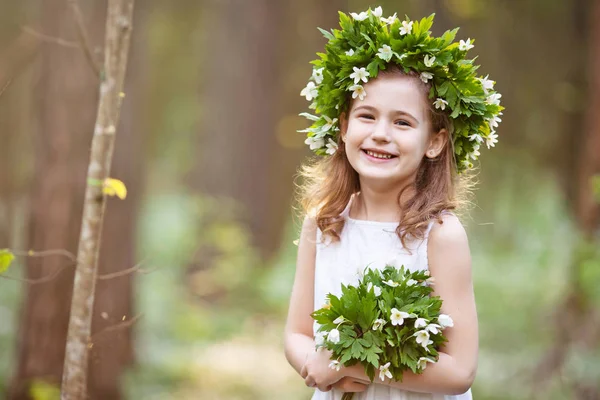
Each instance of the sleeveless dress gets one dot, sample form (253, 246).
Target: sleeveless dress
(361, 243)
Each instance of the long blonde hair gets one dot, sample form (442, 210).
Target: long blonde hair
(328, 183)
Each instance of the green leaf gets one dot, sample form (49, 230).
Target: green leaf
(327, 35)
(6, 258)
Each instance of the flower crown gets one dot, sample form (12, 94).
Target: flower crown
(366, 44)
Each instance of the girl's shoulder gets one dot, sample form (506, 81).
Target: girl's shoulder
(447, 232)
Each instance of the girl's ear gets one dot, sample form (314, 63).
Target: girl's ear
(436, 143)
(343, 126)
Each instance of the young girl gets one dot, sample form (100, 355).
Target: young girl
(397, 139)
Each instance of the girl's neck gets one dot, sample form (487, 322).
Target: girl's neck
(379, 206)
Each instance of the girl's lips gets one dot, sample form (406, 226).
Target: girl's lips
(376, 159)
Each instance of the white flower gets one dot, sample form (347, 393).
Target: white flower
(420, 323)
(493, 122)
(397, 316)
(486, 83)
(339, 320)
(428, 61)
(475, 154)
(464, 46)
(445, 321)
(406, 27)
(389, 20)
(334, 336)
(422, 363)
(391, 283)
(440, 103)
(358, 91)
(425, 76)
(310, 91)
(411, 282)
(466, 163)
(320, 338)
(493, 98)
(350, 52)
(329, 123)
(360, 17)
(384, 371)
(426, 273)
(359, 74)
(378, 324)
(378, 12)
(433, 328)
(331, 147)
(385, 53)
(335, 364)
(476, 138)
(315, 142)
(318, 75)
(377, 291)
(491, 140)
(430, 281)
(422, 338)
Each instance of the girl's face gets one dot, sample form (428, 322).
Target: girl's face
(387, 134)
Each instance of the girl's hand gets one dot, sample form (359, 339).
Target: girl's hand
(316, 371)
(348, 384)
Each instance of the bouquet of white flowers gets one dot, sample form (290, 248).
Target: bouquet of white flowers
(389, 322)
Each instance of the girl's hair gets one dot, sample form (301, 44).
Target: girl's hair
(329, 182)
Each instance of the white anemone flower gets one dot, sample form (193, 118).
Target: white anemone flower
(350, 52)
(422, 363)
(486, 83)
(476, 138)
(493, 98)
(426, 76)
(360, 17)
(384, 371)
(335, 364)
(428, 61)
(333, 336)
(310, 91)
(491, 140)
(422, 338)
(378, 324)
(339, 320)
(464, 46)
(406, 27)
(377, 291)
(420, 323)
(433, 328)
(320, 338)
(329, 123)
(397, 316)
(430, 281)
(445, 321)
(318, 75)
(390, 20)
(411, 282)
(332, 147)
(385, 53)
(440, 103)
(391, 283)
(358, 91)
(378, 12)
(359, 74)
(315, 142)
(493, 122)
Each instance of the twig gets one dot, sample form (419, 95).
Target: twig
(45, 253)
(121, 325)
(49, 39)
(5, 87)
(137, 268)
(43, 279)
(83, 37)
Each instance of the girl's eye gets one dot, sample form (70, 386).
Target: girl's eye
(368, 116)
(402, 123)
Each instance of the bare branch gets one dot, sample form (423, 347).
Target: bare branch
(112, 328)
(137, 268)
(49, 39)
(5, 87)
(43, 279)
(84, 38)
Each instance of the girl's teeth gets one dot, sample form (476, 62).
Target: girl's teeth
(377, 155)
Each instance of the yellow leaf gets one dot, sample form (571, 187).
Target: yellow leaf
(6, 258)
(114, 187)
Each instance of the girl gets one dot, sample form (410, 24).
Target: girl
(385, 191)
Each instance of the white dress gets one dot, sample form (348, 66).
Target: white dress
(363, 242)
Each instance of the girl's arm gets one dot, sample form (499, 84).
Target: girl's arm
(450, 264)
(299, 341)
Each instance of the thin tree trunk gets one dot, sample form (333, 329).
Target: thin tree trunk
(118, 32)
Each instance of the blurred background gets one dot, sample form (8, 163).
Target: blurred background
(208, 149)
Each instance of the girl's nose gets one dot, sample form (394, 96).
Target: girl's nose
(380, 132)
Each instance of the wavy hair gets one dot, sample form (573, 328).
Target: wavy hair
(328, 183)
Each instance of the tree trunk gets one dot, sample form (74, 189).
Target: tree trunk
(65, 96)
(117, 35)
